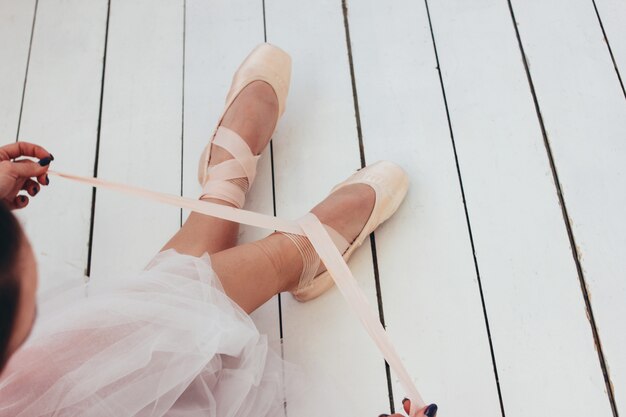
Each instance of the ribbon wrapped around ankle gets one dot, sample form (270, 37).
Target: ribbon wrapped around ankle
(309, 226)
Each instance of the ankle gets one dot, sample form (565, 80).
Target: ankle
(285, 259)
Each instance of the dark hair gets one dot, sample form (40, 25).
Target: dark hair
(10, 239)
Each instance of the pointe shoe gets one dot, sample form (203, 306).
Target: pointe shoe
(265, 63)
(390, 184)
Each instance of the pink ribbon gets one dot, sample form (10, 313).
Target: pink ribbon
(309, 226)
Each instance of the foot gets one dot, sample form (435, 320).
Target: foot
(253, 116)
(345, 210)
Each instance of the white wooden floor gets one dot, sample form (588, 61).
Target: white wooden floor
(502, 277)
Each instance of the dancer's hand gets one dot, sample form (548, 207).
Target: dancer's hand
(15, 175)
(428, 411)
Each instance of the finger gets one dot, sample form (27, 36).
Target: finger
(42, 162)
(428, 411)
(20, 201)
(10, 204)
(406, 403)
(43, 179)
(17, 149)
(31, 187)
(26, 169)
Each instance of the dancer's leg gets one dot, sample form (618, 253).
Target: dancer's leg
(253, 116)
(254, 272)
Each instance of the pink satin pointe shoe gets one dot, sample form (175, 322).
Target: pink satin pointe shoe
(390, 184)
(265, 63)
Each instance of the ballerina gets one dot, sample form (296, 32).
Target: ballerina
(177, 340)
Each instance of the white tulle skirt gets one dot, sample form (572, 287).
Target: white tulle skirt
(167, 342)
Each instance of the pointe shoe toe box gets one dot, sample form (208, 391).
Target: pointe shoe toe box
(266, 63)
(390, 182)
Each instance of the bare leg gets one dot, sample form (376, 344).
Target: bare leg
(254, 272)
(253, 116)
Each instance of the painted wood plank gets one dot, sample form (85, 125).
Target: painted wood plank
(585, 119)
(16, 21)
(529, 278)
(613, 15)
(428, 281)
(61, 106)
(315, 147)
(209, 66)
(141, 133)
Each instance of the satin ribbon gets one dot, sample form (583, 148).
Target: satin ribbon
(309, 226)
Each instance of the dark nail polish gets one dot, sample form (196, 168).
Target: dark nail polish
(44, 161)
(431, 411)
(35, 190)
(51, 157)
(23, 199)
(47, 180)
(405, 400)
(384, 415)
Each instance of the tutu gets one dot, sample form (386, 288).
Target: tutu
(165, 342)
